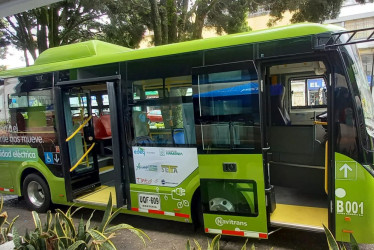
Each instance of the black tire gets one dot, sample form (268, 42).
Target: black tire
(36, 193)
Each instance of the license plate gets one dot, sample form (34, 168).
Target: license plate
(149, 201)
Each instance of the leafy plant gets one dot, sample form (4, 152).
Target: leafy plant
(214, 245)
(5, 226)
(334, 245)
(63, 234)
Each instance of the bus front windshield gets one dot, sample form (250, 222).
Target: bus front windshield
(364, 89)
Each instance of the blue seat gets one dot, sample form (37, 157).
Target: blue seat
(178, 136)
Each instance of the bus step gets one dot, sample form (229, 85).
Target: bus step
(299, 217)
(86, 189)
(99, 196)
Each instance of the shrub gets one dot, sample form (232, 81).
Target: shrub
(334, 245)
(213, 245)
(5, 226)
(61, 233)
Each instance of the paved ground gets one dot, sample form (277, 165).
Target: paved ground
(174, 235)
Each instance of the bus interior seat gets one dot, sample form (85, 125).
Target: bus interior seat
(105, 120)
(99, 129)
(178, 136)
(279, 113)
(101, 135)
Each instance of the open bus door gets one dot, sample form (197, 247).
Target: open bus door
(83, 169)
(91, 147)
(296, 103)
(228, 132)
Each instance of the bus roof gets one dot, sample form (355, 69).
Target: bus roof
(96, 52)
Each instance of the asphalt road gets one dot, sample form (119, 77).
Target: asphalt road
(174, 235)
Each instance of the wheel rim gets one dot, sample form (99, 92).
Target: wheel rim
(221, 204)
(35, 193)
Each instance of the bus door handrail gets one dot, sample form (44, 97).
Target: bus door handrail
(83, 156)
(79, 128)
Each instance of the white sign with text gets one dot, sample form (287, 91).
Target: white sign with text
(163, 166)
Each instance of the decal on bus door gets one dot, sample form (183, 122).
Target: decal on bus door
(346, 207)
(167, 167)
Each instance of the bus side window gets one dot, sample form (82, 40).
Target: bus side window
(228, 116)
(163, 111)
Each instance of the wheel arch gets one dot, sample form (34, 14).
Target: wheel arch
(58, 192)
(27, 171)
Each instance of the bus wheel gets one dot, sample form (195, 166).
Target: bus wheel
(229, 201)
(221, 204)
(36, 193)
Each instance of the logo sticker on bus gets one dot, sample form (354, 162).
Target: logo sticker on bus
(221, 222)
(139, 151)
(170, 169)
(149, 201)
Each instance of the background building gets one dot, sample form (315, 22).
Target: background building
(355, 16)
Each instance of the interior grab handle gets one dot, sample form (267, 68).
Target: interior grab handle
(79, 128)
(81, 159)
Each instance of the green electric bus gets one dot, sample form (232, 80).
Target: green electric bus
(243, 134)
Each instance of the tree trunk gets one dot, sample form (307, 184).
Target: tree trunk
(173, 21)
(201, 13)
(26, 39)
(53, 23)
(164, 22)
(26, 57)
(156, 22)
(42, 21)
(197, 32)
(183, 21)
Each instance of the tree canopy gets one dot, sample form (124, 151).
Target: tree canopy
(124, 22)
(3, 45)
(305, 10)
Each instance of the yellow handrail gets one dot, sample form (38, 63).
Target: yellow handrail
(79, 128)
(320, 123)
(81, 159)
(326, 165)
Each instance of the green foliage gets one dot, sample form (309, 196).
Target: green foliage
(61, 233)
(5, 226)
(305, 10)
(229, 16)
(213, 245)
(127, 22)
(334, 245)
(124, 22)
(58, 24)
(3, 44)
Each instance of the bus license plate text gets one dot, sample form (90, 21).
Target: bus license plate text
(149, 201)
